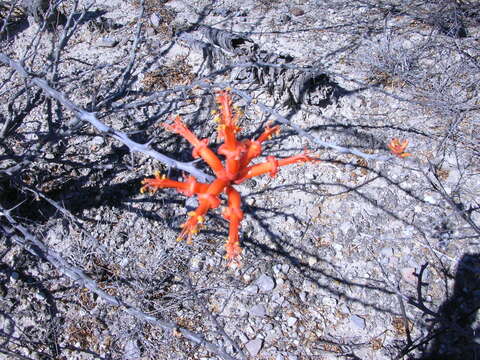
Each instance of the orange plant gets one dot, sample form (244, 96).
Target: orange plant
(398, 147)
(234, 170)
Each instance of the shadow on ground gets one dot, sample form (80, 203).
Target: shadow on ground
(454, 334)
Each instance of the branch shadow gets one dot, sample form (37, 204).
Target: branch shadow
(15, 333)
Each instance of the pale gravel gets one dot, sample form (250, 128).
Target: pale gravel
(321, 264)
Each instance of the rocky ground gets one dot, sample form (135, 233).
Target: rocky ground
(363, 255)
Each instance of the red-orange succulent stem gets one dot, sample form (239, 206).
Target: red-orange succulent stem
(191, 227)
(271, 166)
(232, 149)
(398, 147)
(228, 121)
(268, 132)
(233, 157)
(207, 200)
(254, 147)
(189, 187)
(200, 147)
(234, 215)
(217, 186)
(159, 182)
(232, 168)
(225, 104)
(192, 187)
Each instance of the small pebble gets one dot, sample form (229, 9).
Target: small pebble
(357, 321)
(328, 301)
(14, 276)
(150, 32)
(258, 310)
(337, 247)
(297, 11)
(265, 283)
(107, 42)
(131, 350)
(284, 19)
(312, 260)
(196, 264)
(41, 295)
(221, 12)
(315, 212)
(124, 262)
(408, 275)
(254, 346)
(291, 321)
(277, 268)
(252, 289)
(97, 140)
(267, 327)
(243, 338)
(308, 286)
(278, 299)
(386, 251)
(155, 20)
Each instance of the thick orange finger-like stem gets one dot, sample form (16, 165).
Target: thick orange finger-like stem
(192, 187)
(207, 200)
(180, 128)
(217, 187)
(271, 166)
(234, 215)
(224, 101)
(232, 149)
(159, 182)
(192, 226)
(189, 187)
(227, 127)
(233, 157)
(254, 147)
(268, 132)
(200, 147)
